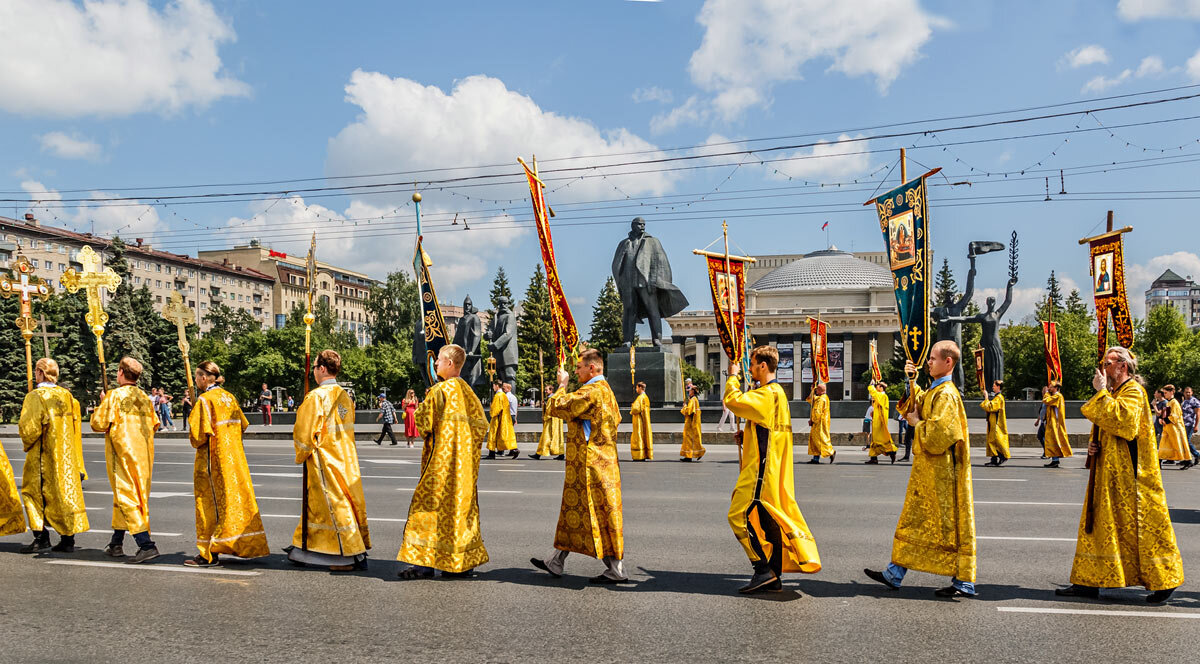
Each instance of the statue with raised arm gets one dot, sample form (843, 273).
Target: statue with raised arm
(502, 341)
(467, 335)
(989, 321)
(949, 315)
(643, 277)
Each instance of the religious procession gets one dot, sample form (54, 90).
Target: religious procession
(851, 318)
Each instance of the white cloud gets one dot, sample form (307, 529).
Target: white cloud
(69, 146)
(826, 160)
(1138, 277)
(111, 57)
(129, 220)
(1137, 10)
(1151, 65)
(750, 45)
(653, 93)
(1193, 67)
(691, 112)
(1102, 83)
(1083, 56)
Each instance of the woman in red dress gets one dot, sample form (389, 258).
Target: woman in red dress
(410, 404)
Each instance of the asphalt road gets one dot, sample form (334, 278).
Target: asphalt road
(679, 551)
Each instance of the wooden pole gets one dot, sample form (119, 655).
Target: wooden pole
(903, 166)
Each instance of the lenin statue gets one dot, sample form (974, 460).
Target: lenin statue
(643, 276)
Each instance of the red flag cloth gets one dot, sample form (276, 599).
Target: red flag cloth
(820, 349)
(566, 334)
(1053, 362)
(729, 294)
(979, 370)
(875, 372)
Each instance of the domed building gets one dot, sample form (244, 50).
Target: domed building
(851, 292)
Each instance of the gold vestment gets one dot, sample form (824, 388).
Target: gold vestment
(501, 436)
(1173, 446)
(12, 518)
(551, 442)
(881, 436)
(692, 447)
(641, 441)
(819, 443)
(127, 418)
(1057, 443)
(997, 430)
(79, 438)
(50, 486)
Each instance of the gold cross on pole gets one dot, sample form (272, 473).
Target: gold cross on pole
(91, 280)
(29, 287)
(181, 314)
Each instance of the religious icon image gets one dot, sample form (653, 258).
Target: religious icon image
(1102, 269)
(727, 289)
(901, 243)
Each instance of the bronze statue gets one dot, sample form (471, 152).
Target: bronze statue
(643, 276)
(467, 334)
(502, 341)
(949, 315)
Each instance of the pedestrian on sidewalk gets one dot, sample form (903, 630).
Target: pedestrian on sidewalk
(387, 413)
(264, 404)
(410, 405)
(1189, 405)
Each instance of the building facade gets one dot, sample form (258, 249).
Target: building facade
(852, 293)
(203, 284)
(344, 290)
(1176, 291)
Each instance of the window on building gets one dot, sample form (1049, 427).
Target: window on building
(158, 283)
(33, 244)
(158, 267)
(203, 305)
(33, 262)
(158, 298)
(137, 281)
(191, 289)
(62, 267)
(203, 276)
(192, 303)
(62, 248)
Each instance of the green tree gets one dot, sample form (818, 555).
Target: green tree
(392, 309)
(75, 350)
(971, 335)
(703, 380)
(124, 335)
(12, 370)
(228, 323)
(1051, 305)
(500, 288)
(945, 290)
(1075, 304)
(1167, 351)
(535, 333)
(606, 319)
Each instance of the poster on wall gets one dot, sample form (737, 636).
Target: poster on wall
(785, 371)
(836, 355)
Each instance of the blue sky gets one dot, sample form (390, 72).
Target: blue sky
(114, 96)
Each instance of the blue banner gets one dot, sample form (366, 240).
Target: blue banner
(904, 221)
(431, 327)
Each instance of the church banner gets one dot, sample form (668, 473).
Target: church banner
(876, 374)
(729, 303)
(432, 323)
(979, 373)
(566, 334)
(1053, 362)
(820, 338)
(904, 221)
(1107, 267)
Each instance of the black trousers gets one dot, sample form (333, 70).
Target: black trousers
(387, 429)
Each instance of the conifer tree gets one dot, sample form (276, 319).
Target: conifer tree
(12, 368)
(945, 289)
(75, 350)
(500, 288)
(606, 319)
(124, 332)
(534, 333)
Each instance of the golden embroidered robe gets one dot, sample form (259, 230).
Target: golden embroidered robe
(997, 431)
(78, 438)
(442, 530)
(128, 419)
(324, 439)
(50, 486)
(551, 442)
(1132, 541)
(692, 447)
(819, 443)
(227, 515)
(1173, 446)
(1057, 444)
(590, 520)
(501, 435)
(766, 476)
(881, 436)
(936, 531)
(12, 518)
(641, 441)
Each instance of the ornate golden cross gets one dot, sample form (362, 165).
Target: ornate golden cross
(181, 314)
(491, 368)
(91, 280)
(29, 287)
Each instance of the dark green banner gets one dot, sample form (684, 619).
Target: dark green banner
(904, 221)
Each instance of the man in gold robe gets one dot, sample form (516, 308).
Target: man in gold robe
(551, 442)
(1057, 443)
(763, 512)
(50, 486)
(1173, 445)
(77, 412)
(442, 531)
(819, 443)
(641, 441)
(227, 516)
(128, 419)
(692, 447)
(881, 436)
(936, 531)
(12, 517)
(1125, 534)
(590, 520)
(997, 425)
(333, 520)
(501, 437)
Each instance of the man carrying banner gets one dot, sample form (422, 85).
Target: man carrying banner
(1125, 534)
(819, 444)
(936, 531)
(764, 498)
(997, 427)
(502, 437)
(1057, 444)
(551, 442)
(692, 447)
(641, 442)
(881, 436)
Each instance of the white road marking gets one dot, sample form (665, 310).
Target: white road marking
(511, 470)
(296, 498)
(1026, 539)
(154, 568)
(390, 477)
(153, 494)
(395, 461)
(996, 479)
(297, 517)
(1100, 612)
(155, 533)
(1007, 502)
(480, 491)
(293, 475)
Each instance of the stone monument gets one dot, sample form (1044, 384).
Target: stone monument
(502, 341)
(467, 334)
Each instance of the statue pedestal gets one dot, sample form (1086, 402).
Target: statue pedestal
(656, 367)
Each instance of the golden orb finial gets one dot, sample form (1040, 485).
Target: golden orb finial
(416, 197)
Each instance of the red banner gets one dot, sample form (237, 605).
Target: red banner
(729, 303)
(875, 372)
(1053, 362)
(819, 331)
(566, 334)
(1108, 287)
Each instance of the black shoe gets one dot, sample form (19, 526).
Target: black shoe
(951, 591)
(541, 564)
(1052, 464)
(63, 547)
(814, 460)
(1075, 590)
(459, 575)
(1159, 596)
(199, 561)
(534, 456)
(878, 576)
(759, 582)
(142, 556)
(393, 442)
(893, 456)
(904, 458)
(1169, 463)
(379, 442)
(686, 459)
(1001, 461)
(562, 457)
(114, 551)
(514, 454)
(491, 455)
(832, 456)
(36, 546)
(872, 460)
(606, 581)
